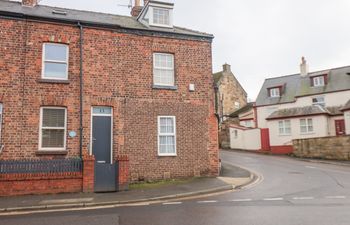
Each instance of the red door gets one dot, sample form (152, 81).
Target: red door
(339, 127)
(265, 139)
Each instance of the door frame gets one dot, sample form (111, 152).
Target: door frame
(92, 114)
(335, 125)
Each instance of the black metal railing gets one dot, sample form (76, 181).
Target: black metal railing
(40, 166)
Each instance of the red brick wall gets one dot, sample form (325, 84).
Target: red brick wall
(123, 173)
(117, 73)
(283, 149)
(24, 184)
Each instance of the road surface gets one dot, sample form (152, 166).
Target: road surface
(291, 192)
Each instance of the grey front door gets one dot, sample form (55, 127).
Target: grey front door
(105, 169)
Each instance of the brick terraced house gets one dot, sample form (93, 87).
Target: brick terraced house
(90, 101)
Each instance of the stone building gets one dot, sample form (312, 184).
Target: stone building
(230, 95)
(112, 89)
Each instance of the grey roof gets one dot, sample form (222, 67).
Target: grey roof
(127, 22)
(346, 106)
(297, 86)
(306, 111)
(298, 111)
(244, 109)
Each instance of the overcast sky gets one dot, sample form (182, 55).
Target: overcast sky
(259, 38)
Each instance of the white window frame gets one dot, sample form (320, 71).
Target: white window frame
(163, 68)
(151, 17)
(275, 92)
(54, 61)
(167, 134)
(307, 125)
(318, 81)
(235, 133)
(284, 127)
(248, 123)
(1, 117)
(54, 128)
(322, 103)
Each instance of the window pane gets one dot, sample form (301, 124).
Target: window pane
(302, 122)
(170, 144)
(102, 110)
(56, 52)
(281, 130)
(280, 124)
(53, 118)
(303, 129)
(310, 128)
(160, 16)
(55, 70)
(52, 138)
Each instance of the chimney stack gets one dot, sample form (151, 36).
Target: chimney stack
(227, 68)
(304, 68)
(136, 9)
(29, 3)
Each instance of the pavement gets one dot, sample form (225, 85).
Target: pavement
(231, 177)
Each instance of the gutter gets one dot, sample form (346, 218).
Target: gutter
(81, 42)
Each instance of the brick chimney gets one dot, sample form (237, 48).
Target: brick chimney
(226, 68)
(29, 3)
(304, 68)
(136, 9)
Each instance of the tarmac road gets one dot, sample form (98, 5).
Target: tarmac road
(290, 192)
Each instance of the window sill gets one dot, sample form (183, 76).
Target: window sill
(307, 133)
(53, 81)
(47, 152)
(284, 135)
(164, 87)
(167, 155)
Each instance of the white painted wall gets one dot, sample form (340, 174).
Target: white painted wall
(347, 121)
(331, 99)
(319, 126)
(245, 139)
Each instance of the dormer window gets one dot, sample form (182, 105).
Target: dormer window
(158, 14)
(318, 81)
(161, 17)
(275, 92)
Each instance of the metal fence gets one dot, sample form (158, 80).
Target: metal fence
(40, 166)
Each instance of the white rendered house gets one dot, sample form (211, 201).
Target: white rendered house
(305, 105)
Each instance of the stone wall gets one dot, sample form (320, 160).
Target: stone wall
(224, 133)
(323, 148)
(230, 91)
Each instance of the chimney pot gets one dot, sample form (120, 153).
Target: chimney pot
(304, 68)
(226, 67)
(30, 3)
